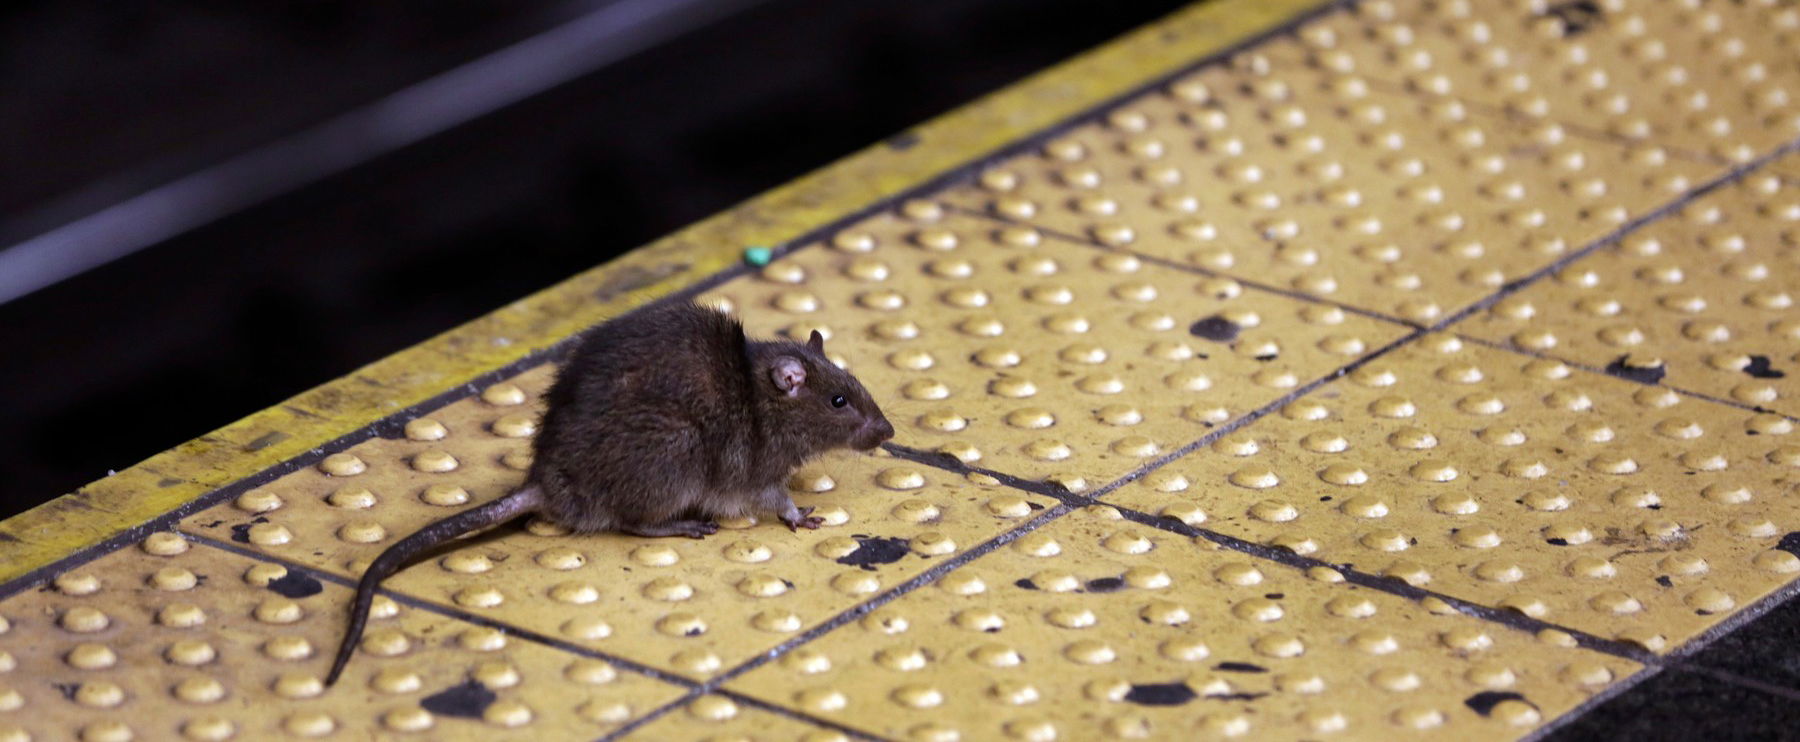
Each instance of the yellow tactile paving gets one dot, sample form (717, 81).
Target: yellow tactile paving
(1096, 628)
(1622, 510)
(1081, 314)
(719, 718)
(1702, 300)
(692, 607)
(171, 640)
(1716, 79)
(1320, 183)
(1040, 357)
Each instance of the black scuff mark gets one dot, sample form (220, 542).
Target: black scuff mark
(1105, 585)
(296, 585)
(1485, 701)
(266, 440)
(241, 532)
(1758, 367)
(1790, 543)
(1651, 375)
(873, 550)
(632, 278)
(67, 689)
(1557, 541)
(1216, 328)
(1239, 667)
(1577, 16)
(1026, 583)
(1664, 581)
(1236, 696)
(1033, 505)
(467, 701)
(1161, 694)
(1266, 357)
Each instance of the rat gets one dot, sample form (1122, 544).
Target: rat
(660, 423)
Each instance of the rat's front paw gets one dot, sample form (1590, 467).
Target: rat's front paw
(802, 518)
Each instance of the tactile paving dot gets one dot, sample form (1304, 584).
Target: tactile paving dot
(1319, 183)
(1717, 79)
(1131, 632)
(1701, 300)
(1622, 510)
(203, 644)
(693, 607)
(719, 718)
(1040, 357)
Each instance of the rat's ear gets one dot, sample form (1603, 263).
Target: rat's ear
(816, 342)
(789, 374)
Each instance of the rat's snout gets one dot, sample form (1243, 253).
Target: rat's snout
(874, 433)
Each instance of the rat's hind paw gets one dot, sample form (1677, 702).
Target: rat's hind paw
(802, 518)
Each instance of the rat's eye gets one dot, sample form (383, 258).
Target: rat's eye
(839, 401)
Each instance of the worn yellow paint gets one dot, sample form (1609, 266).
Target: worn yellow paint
(142, 492)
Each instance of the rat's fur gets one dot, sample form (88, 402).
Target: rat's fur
(658, 424)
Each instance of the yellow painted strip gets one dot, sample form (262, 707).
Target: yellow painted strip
(167, 480)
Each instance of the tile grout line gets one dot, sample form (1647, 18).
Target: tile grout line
(1619, 233)
(529, 635)
(1702, 396)
(1252, 284)
(1393, 586)
(1578, 129)
(850, 614)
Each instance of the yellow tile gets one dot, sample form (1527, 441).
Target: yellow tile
(1094, 627)
(720, 718)
(1702, 300)
(1320, 183)
(1039, 357)
(1622, 510)
(691, 607)
(1715, 79)
(170, 640)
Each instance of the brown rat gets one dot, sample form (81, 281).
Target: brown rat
(658, 424)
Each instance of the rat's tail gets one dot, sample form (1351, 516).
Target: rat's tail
(518, 503)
